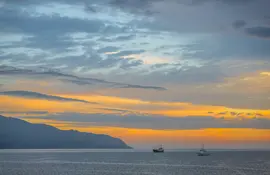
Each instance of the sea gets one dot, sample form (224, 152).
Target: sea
(132, 162)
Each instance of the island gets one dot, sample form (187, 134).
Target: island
(19, 134)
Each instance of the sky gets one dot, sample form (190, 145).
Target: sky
(175, 72)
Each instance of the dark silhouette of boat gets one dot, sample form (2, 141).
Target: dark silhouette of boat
(203, 152)
(160, 149)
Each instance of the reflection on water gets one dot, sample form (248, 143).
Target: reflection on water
(115, 162)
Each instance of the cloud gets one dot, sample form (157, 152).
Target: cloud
(261, 32)
(22, 21)
(144, 87)
(119, 38)
(88, 81)
(115, 110)
(229, 47)
(229, 2)
(146, 6)
(36, 95)
(62, 34)
(50, 32)
(78, 82)
(9, 70)
(237, 114)
(156, 122)
(235, 2)
(222, 113)
(233, 113)
(239, 24)
(125, 38)
(90, 8)
(258, 114)
(133, 6)
(108, 49)
(24, 112)
(128, 52)
(54, 42)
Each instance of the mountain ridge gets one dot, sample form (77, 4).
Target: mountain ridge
(19, 134)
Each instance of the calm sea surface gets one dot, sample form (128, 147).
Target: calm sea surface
(120, 162)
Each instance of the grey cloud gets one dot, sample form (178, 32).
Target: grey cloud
(228, 47)
(137, 6)
(36, 95)
(78, 82)
(231, 2)
(236, 1)
(214, 16)
(113, 30)
(239, 24)
(48, 32)
(49, 41)
(267, 20)
(8, 70)
(158, 122)
(90, 59)
(72, 57)
(222, 113)
(88, 81)
(143, 87)
(128, 52)
(182, 73)
(233, 113)
(124, 3)
(22, 21)
(25, 112)
(118, 38)
(125, 38)
(130, 63)
(90, 8)
(261, 32)
(115, 110)
(108, 49)
(131, 3)
(144, 43)
(37, 2)
(144, 6)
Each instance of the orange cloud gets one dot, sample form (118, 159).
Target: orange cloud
(265, 73)
(136, 135)
(170, 109)
(177, 137)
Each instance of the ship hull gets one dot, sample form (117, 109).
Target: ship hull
(158, 151)
(203, 154)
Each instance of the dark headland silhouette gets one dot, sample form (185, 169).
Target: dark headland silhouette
(19, 134)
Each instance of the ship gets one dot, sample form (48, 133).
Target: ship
(203, 152)
(160, 149)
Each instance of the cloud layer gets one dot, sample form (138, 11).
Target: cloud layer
(135, 64)
(36, 95)
(157, 122)
(47, 73)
